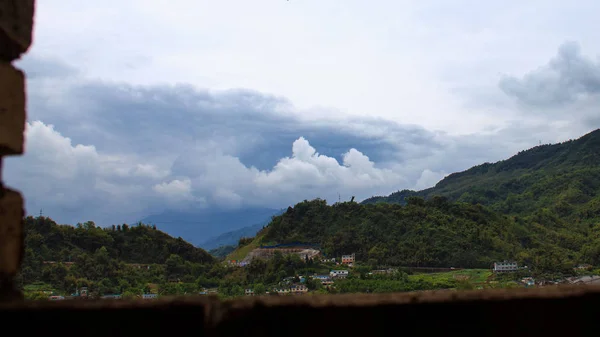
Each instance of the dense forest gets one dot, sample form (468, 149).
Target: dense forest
(108, 260)
(135, 260)
(435, 233)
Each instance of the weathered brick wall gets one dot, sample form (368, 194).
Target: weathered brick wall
(16, 25)
(568, 311)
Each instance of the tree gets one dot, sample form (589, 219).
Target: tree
(259, 289)
(175, 266)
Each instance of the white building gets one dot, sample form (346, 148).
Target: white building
(505, 267)
(249, 292)
(324, 279)
(338, 273)
(149, 296)
(298, 289)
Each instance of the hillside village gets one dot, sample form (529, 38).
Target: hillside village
(342, 268)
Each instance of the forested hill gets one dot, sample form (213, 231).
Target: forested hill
(49, 241)
(432, 233)
(564, 178)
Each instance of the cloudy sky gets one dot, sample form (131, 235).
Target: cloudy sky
(141, 106)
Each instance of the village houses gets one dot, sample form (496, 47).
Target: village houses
(348, 259)
(505, 267)
(338, 273)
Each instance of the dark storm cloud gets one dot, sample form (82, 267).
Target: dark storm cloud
(155, 120)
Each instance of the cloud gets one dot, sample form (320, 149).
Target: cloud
(567, 78)
(114, 152)
(46, 68)
(428, 179)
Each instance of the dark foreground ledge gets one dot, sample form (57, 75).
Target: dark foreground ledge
(553, 311)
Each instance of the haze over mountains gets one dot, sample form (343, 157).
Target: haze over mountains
(203, 228)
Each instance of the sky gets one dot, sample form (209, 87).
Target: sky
(136, 107)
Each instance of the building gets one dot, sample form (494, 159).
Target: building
(528, 282)
(298, 289)
(249, 292)
(282, 291)
(56, 298)
(505, 267)
(234, 263)
(338, 273)
(324, 279)
(149, 296)
(348, 259)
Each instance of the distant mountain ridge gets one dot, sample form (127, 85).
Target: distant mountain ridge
(231, 238)
(564, 177)
(198, 227)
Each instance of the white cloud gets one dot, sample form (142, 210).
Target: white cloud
(307, 174)
(77, 179)
(428, 179)
(177, 189)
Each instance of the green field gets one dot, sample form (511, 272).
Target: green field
(474, 276)
(37, 291)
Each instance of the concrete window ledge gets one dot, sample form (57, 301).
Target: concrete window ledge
(553, 311)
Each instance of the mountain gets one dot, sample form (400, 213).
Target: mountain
(199, 226)
(563, 178)
(222, 251)
(132, 244)
(232, 238)
(120, 259)
(432, 233)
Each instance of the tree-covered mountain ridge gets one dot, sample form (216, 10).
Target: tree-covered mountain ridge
(564, 178)
(540, 207)
(434, 233)
(48, 241)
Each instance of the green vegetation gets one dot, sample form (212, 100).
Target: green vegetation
(465, 278)
(433, 233)
(120, 259)
(244, 247)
